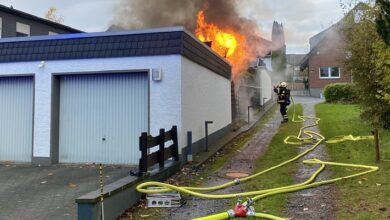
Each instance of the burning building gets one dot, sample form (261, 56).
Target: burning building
(58, 89)
(218, 24)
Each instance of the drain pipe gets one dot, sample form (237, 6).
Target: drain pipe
(264, 103)
(189, 146)
(206, 123)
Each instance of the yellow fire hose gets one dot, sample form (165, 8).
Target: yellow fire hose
(246, 209)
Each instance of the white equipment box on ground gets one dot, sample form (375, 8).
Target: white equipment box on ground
(163, 200)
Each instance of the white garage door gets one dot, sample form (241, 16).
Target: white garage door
(102, 117)
(16, 112)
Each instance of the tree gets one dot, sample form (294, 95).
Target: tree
(369, 62)
(383, 20)
(51, 15)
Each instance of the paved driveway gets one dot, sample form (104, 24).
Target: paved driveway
(31, 192)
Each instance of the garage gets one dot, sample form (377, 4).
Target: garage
(16, 117)
(101, 117)
(95, 93)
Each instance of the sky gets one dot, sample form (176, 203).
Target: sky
(301, 18)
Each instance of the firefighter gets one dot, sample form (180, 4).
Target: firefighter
(283, 99)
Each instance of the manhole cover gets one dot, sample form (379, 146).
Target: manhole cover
(236, 174)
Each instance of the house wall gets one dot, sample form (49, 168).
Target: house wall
(206, 96)
(330, 53)
(266, 86)
(165, 97)
(36, 28)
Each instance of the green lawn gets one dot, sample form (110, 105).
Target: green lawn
(366, 197)
(277, 152)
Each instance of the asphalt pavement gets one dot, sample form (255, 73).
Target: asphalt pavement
(47, 193)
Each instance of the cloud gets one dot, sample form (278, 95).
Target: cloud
(301, 18)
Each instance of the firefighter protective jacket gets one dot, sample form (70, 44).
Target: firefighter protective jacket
(283, 95)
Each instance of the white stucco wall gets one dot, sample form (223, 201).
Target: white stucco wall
(165, 97)
(266, 86)
(206, 96)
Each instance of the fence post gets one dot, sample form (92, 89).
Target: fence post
(189, 146)
(143, 147)
(175, 143)
(161, 140)
(376, 142)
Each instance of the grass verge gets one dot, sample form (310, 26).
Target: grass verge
(361, 198)
(276, 153)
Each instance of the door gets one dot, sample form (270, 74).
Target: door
(102, 116)
(16, 118)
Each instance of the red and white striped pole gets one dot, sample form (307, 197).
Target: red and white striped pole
(101, 188)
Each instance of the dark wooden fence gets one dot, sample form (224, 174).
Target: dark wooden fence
(164, 153)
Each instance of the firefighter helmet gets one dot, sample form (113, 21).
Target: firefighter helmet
(283, 84)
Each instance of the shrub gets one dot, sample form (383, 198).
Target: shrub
(340, 92)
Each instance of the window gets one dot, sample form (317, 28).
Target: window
(1, 26)
(52, 33)
(22, 30)
(329, 72)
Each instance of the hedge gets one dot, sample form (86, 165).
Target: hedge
(340, 92)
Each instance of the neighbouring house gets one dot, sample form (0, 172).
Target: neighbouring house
(86, 97)
(325, 61)
(15, 23)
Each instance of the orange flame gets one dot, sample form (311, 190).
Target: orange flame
(225, 41)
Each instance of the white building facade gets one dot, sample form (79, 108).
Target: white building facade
(86, 98)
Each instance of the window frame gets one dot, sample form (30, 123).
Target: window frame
(1, 27)
(329, 72)
(23, 25)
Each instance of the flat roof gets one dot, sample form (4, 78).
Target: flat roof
(146, 42)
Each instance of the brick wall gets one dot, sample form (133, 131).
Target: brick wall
(330, 53)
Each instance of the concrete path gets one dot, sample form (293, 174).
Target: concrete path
(314, 203)
(46, 193)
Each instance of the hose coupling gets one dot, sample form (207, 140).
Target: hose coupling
(251, 213)
(237, 181)
(231, 213)
(249, 202)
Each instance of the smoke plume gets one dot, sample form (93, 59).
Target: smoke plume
(134, 14)
(137, 14)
